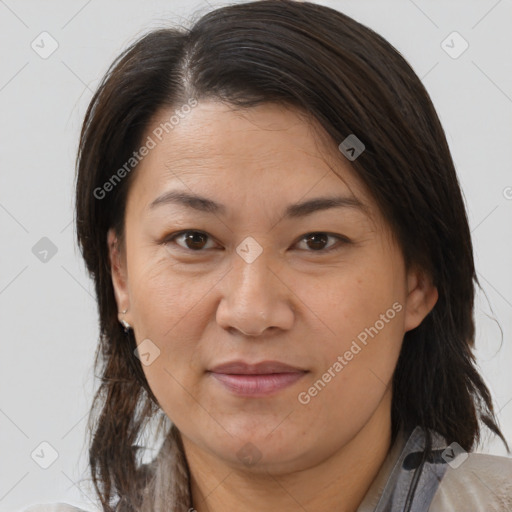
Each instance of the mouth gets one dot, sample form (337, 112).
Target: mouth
(256, 380)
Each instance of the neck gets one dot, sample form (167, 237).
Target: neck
(339, 482)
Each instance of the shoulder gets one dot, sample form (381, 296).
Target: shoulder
(475, 481)
(53, 507)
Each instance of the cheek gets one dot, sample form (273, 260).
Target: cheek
(376, 330)
(166, 300)
(347, 302)
(362, 324)
(357, 369)
(169, 310)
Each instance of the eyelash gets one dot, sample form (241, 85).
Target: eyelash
(342, 240)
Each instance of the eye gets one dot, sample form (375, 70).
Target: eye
(196, 241)
(318, 240)
(193, 240)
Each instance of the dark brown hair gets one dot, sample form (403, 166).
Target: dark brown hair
(352, 81)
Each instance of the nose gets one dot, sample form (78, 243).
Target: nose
(254, 299)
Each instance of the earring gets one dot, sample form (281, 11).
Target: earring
(125, 324)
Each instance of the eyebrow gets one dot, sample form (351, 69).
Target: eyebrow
(293, 211)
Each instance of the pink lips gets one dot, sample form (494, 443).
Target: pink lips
(259, 379)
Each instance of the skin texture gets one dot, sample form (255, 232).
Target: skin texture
(294, 303)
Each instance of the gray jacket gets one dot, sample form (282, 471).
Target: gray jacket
(451, 480)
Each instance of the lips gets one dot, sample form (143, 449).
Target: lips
(256, 380)
(263, 368)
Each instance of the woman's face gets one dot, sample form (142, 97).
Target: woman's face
(269, 271)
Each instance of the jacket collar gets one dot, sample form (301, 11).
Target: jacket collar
(392, 488)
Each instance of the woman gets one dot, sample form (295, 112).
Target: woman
(285, 279)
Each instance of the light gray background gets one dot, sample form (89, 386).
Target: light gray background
(48, 310)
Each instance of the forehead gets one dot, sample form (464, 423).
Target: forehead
(214, 131)
(270, 150)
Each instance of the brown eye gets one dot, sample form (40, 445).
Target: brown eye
(317, 242)
(193, 240)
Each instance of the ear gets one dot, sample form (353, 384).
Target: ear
(119, 275)
(422, 296)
